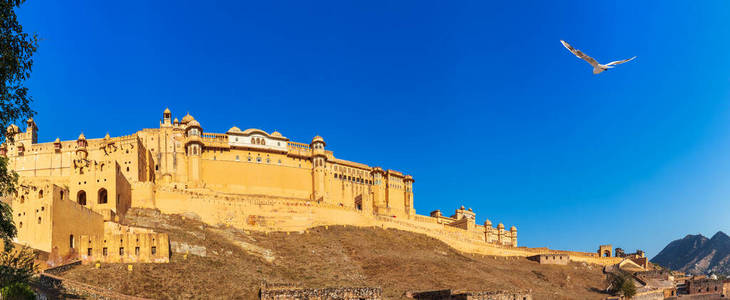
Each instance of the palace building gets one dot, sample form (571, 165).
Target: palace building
(73, 195)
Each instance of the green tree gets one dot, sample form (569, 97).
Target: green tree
(17, 291)
(622, 284)
(16, 52)
(17, 266)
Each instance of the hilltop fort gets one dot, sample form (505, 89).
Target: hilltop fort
(73, 195)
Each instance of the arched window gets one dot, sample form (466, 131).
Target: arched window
(39, 220)
(102, 196)
(20, 225)
(22, 199)
(253, 141)
(71, 241)
(263, 142)
(40, 194)
(61, 195)
(81, 197)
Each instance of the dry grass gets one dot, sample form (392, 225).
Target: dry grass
(397, 261)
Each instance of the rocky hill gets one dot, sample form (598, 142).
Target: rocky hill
(213, 262)
(697, 254)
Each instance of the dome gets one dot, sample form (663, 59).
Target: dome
(234, 129)
(106, 136)
(167, 111)
(81, 136)
(500, 226)
(13, 128)
(513, 228)
(276, 134)
(470, 209)
(462, 207)
(57, 140)
(193, 123)
(317, 139)
(187, 118)
(176, 121)
(488, 223)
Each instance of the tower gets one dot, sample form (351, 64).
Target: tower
(500, 234)
(408, 197)
(81, 163)
(166, 118)
(193, 150)
(319, 168)
(31, 132)
(513, 235)
(380, 203)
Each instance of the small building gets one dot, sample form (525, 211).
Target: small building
(551, 259)
(707, 287)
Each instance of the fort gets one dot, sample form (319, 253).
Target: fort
(73, 195)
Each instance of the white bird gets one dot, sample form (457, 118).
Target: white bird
(597, 68)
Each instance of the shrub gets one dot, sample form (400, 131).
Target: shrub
(17, 291)
(17, 266)
(622, 284)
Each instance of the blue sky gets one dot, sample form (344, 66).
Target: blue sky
(477, 100)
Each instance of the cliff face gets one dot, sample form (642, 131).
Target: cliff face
(697, 254)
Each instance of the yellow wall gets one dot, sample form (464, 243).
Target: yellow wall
(227, 180)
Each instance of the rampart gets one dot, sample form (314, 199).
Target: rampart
(263, 213)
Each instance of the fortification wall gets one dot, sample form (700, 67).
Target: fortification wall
(127, 247)
(257, 177)
(263, 213)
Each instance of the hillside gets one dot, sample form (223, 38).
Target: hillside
(697, 254)
(225, 262)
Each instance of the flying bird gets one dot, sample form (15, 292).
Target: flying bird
(597, 68)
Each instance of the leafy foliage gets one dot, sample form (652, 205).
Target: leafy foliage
(17, 265)
(17, 291)
(622, 284)
(16, 51)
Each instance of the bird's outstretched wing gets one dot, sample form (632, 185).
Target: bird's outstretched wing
(619, 61)
(580, 54)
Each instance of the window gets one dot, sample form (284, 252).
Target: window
(20, 225)
(88, 251)
(237, 158)
(71, 241)
(39, 220)
(104, 251)
(121, 250)
(22, 199)
(258, 159)
(81, 197)
(61, 195)
(40, 194)
(136, 251)
(268, 160)
(154, 250)
(157, 167)
(102, 196)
